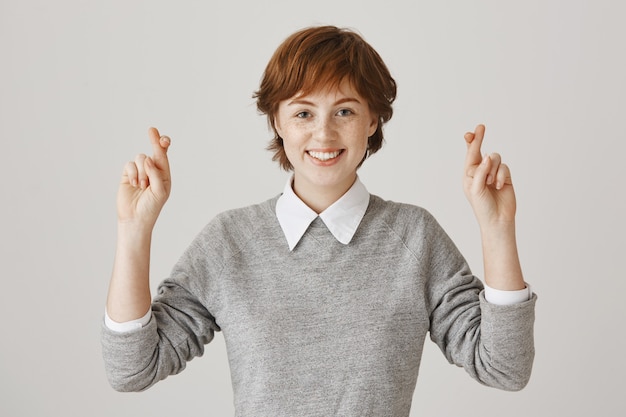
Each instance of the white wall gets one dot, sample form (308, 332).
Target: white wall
(81, 81)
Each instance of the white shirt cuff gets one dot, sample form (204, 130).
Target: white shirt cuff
(127, 326)
(505, 298)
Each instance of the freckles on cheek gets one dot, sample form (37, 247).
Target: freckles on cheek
(290, 149)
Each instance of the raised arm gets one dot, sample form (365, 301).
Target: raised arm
(488, 187)
(143, 191)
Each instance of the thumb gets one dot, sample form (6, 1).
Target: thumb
(159, 179)
(479, 181)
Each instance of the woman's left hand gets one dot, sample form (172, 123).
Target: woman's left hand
(487, 184)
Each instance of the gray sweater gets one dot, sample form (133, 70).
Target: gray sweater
(325, 329)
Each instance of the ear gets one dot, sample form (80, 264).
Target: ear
(277, 126)
(373, 126)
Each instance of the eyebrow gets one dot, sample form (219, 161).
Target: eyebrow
(310, 103)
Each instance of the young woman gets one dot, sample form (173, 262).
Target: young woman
(324, 293)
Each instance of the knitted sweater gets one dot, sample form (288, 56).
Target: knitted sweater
(325, 329)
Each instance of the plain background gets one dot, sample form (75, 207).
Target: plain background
(81, 82)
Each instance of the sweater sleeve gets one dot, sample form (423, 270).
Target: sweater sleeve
(180, 325)
(493, 343)
(176, 333)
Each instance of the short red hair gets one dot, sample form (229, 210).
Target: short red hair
(322, 57)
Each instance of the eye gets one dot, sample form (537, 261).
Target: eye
(303, 115)
(345, 112)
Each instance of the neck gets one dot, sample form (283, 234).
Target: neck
(320, 197)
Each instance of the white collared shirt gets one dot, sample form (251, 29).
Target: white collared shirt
(342, 218)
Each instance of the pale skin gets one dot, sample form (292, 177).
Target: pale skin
(325, 137)
(143, 191)
(488, 187)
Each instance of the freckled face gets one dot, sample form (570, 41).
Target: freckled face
(325, 138)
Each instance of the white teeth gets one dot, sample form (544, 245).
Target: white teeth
(324, 156)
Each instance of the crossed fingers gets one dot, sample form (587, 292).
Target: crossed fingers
(139, 171)
(484, 169)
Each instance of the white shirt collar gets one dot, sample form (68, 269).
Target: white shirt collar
(342, 218)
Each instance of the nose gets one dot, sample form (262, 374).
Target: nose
(325, 129)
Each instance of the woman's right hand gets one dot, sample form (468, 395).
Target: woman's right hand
(145, 184)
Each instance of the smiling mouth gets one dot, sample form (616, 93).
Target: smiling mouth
(325, 156)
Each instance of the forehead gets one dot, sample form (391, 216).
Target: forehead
(336, 91)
